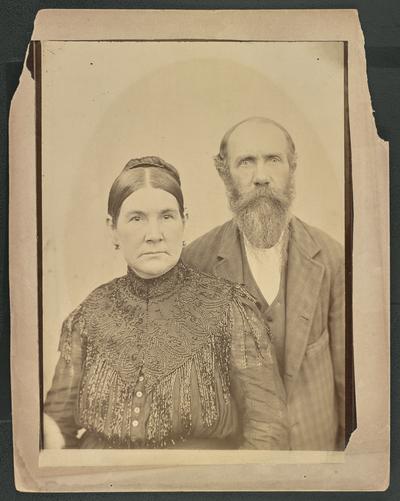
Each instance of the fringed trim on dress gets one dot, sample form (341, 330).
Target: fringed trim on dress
(257, 330)
(215, 354)
(106, 401)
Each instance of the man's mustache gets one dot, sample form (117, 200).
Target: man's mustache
(259, 194)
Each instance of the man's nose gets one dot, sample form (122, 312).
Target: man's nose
(153, 232)
(262, 175)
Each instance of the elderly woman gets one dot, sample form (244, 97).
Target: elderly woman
(164, 356)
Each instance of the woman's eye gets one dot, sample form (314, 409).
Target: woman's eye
(244, 163)
(168, 216)
(135, 218)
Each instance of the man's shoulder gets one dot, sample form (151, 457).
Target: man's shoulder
(214, 235)
(205, 248)
(329, 249)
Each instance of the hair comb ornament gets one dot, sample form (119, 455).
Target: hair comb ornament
(153, 162)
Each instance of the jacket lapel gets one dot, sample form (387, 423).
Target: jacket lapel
(229, 256)
(304, 278)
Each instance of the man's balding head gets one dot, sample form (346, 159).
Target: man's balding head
(261, 125)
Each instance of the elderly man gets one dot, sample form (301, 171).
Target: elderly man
(295, 271)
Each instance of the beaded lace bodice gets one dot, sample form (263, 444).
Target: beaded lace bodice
(171, 330)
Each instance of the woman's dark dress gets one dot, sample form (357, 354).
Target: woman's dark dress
(183, 360)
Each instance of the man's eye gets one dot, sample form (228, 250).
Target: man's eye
(135, 218)
(244, 162)
(168, 216)
(275, 160)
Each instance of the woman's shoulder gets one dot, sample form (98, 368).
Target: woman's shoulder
(106, 289)
(247, 325)
(97, 297)
(208, 284)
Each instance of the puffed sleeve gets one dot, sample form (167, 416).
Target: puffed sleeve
(61, 400)
(256, 384)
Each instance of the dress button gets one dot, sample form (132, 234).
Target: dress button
(136, 410)
(269, 318)
(135, 423)
(141, 378)
(139, 394)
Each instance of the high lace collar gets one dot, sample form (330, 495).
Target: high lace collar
(152, 287)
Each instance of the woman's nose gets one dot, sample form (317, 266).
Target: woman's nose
(153, 233)
(261, 174)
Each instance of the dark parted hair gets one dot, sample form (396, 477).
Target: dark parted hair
(160, 175)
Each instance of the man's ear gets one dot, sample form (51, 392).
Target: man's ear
(111, 228)
(293, 162)
(220, 166)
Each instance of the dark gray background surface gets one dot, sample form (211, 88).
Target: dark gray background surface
(380, 20)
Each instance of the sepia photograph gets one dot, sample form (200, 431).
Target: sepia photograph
(194, 205)
(193, 218)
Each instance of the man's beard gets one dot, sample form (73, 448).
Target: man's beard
(262, 214)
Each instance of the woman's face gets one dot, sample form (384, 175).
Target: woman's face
(150, 231)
